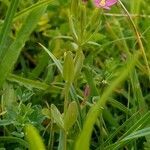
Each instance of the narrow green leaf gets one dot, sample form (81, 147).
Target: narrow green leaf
(9, 97)
(68, 68)
(7, 26)
(72, 28)
(74, 7)
(27, 82)
(137, 134)
(78, 62)
(142, 122)
(37, 5)
(10, 57)
(138, 125)
(137, 91)
(119, 105)
(57, 117)
(71, 115)
(58, 64)
(5, 122)
(84, 137)
(121, 128)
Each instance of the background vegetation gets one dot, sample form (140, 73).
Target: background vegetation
(73, 76)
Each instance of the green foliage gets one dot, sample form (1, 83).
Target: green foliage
(71, 115)
(6, 26)
(68, 68)
(9, 58)
(74, 77)
(57, 117)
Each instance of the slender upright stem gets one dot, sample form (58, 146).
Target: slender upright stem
(63, 136)
(138, 37)
(67, 87)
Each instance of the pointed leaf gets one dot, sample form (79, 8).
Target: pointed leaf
(68, 68)
(71, 115)
(57, 117)
(78, 62)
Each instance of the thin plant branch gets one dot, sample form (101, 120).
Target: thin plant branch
(138, 37)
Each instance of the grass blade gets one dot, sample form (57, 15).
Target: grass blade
(13, 52)
(143, 121)
(84, 138)
(27, 82)
(7, 26)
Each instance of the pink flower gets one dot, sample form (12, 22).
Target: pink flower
(105, 3)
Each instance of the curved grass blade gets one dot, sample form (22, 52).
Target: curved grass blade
(142, 122)
(33, 7)
(28, 82)
(7, 25)
(37, 5)
(119, 105)
(110, 138)
(10, 57)
(137, 134)
(84, 138)
(132, 133)
(58, 64)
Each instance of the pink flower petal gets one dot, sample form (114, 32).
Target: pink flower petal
(107, 3)
(111, 2)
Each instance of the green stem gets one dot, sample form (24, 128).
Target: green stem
(138, 37)
(67, 87)
(62, 140)
(63, 134)
(51, 137)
